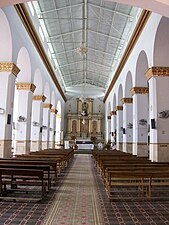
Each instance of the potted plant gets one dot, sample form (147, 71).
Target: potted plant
(107, 145)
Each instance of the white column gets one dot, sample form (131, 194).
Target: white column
(119, 133)
(140, 121)
(36, 123)
(113, 128)
(127, 124)
(46, 123)
(58, 131)
(52, 131)
(8, 73)
(23, 132)
(158, 78)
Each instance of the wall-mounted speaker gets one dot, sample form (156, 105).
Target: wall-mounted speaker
(153, 125)
(9, 119)
(40, 129)
(124, 131)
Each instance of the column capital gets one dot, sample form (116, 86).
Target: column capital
(39, 98)
(157, 71)
(47, 105)
(9, 67)
(139, 90)
(113, 113)
(54, 111)
(26, 86)
(119, 108)
(126, 100)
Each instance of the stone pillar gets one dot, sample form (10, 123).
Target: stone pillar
(140, 121)
(119, 134)
(46, 123)
(52, 130)
(23, 133)
(127, 124)
(36, 124)
(158, 79)
(8, 74)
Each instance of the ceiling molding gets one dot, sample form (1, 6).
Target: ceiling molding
(27, 22)
(133, 40)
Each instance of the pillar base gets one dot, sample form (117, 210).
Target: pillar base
(127, 147)
(51, 144)
(140, 149)
(5, 148)
(119, 146)
(159, 152)
(35, 146)
(22, 147)
(45, 145)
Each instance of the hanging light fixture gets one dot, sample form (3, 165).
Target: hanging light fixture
(82, 50)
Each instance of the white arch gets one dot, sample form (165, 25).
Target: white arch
(120, 94)
(128, 85)
(47, 92)
(6, 39)
(38, 82)
(53, 100)
(24, 64)
(161, 44)
(141, 68)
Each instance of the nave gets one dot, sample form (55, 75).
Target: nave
(80, 198)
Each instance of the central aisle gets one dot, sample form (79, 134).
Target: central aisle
(76, 201)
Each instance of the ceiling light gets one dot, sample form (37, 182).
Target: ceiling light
(82, 50)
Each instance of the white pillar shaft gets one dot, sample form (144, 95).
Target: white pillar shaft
(37, 117)
(45, 131)
(128, 119)
(119, 129)
(140, 131)
(159, 142)
(7, 87)
(24, 129)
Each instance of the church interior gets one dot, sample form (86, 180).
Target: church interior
(84, 112)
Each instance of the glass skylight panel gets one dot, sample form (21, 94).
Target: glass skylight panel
(31, 8)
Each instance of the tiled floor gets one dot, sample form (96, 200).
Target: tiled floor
(80, 199)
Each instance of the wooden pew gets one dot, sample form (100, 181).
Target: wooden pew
(45, 168)
(14, 179)
(142, 178)
(29, 161)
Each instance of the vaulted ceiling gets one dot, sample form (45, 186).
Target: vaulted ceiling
(87, 38)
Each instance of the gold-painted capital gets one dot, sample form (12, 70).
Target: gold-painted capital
(119, 107)
(26, 86)
(39, 98)
(113, 113)
(139, 90)
(47, 105)
(54, 111)
(9, 67)
(127, 100)
(157, 71)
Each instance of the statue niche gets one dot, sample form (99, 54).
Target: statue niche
(84, 109)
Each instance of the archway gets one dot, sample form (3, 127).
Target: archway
(128, 115)
(141, 108)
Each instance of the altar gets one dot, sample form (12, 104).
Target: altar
(83, 144)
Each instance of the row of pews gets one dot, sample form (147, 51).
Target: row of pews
(35, 172)
(121, 170)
